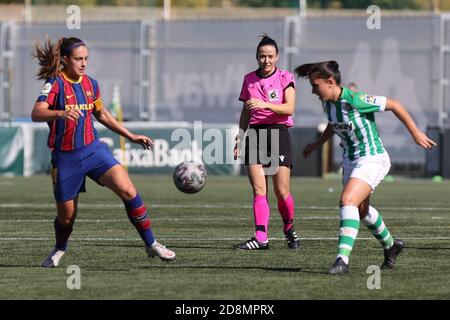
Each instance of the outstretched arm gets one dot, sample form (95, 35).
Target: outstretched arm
(326, 135)
(105, 118)
(402, 114)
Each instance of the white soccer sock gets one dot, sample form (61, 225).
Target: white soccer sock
(348, 231)
(374, 221)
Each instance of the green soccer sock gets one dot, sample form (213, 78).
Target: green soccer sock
(374, 221)
(348, 231)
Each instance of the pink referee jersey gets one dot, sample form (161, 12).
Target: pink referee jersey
(270, 89)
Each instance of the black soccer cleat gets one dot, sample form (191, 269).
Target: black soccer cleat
(390, 255)
(338, 267)
(252, 244)
(292, 239)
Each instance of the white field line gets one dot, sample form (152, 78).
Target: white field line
(206, 206)
(201, 239)
(157, 219)
(221, 218)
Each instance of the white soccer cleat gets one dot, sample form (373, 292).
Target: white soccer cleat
(53, 258)
(158, 250)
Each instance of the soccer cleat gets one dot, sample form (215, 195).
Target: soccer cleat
(53, 258)
(158, 250)
(292, 239)
(252, 244)
(338, 267)
(390, 255)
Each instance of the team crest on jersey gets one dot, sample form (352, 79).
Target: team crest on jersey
(369, 99)
(46, 89)
(273, 95)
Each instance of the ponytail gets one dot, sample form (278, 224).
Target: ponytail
(50, 55)
(325, 70)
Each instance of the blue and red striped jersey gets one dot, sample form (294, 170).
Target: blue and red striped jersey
(61, 93)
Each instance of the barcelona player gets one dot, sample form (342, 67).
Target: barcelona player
(268, 96)
(351, 116)
(68, 102)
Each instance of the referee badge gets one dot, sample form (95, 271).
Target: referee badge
(273, 95)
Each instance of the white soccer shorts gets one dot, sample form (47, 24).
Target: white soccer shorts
(370, 169)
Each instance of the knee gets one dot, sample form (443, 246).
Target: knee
(347, 200)
(282, 194)
(128, 193)
(259, 191)
(66, 222)
(66, 216)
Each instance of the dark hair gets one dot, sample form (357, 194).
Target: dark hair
(266, 41)
(68, 44)
(50, 55)
(325, 70)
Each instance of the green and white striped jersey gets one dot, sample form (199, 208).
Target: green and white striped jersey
(352, 119)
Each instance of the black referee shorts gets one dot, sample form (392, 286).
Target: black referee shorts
(267, 144)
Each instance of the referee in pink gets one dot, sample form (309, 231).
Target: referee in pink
(268, 95)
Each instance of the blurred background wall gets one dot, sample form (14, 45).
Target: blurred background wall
(186, 63)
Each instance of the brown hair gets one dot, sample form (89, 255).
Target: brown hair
(50, 55)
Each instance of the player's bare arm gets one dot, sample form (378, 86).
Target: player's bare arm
(286, 108)
(105, 117)
(41, 113)
(326, 135)
(402, 114)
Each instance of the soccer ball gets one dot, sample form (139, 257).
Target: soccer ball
(189, 177)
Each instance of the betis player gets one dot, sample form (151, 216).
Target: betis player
(351, 115)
